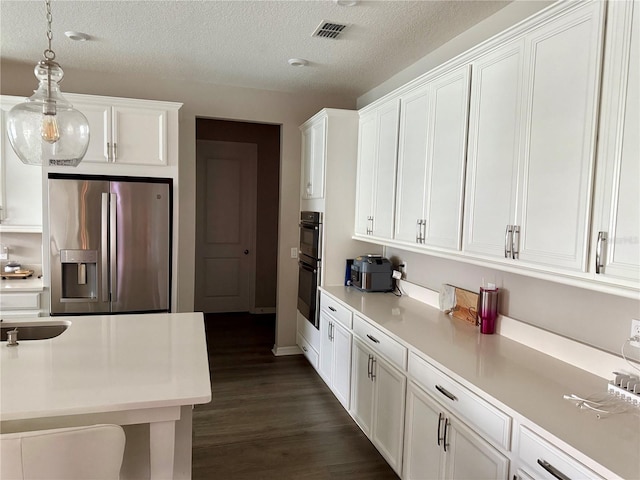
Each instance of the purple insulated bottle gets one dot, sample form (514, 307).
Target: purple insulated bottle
(488, 308)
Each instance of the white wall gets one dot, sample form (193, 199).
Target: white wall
(213, 101)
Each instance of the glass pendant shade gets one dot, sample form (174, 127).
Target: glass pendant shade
(46, 128)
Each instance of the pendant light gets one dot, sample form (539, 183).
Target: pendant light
(45, 128)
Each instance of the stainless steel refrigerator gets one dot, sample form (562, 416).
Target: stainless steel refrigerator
(110, 244)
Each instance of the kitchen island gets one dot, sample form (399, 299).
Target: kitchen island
(133, 370)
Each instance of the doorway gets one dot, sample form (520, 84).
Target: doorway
(237, 195)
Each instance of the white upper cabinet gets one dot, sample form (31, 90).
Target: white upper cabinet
(494, 141)
(20, 184)
(377, 155)
(124, 132)
(314, 134)
(616, 231)
(563, 72)
(549, 126)
(431, 161)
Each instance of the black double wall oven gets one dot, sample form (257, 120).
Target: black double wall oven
(309, 265)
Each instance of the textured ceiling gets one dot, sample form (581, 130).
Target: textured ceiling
(243, 43)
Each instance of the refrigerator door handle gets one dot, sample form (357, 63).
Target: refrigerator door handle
(104, 248)
(113, 251)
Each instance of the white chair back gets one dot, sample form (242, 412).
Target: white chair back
(78, 453)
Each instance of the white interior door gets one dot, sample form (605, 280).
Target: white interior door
(225, 232)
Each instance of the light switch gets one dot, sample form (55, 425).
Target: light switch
(294, 252)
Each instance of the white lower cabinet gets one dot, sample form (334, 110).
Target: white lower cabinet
(542, 460)
(438, 445)
(335, 358)
(378, 402)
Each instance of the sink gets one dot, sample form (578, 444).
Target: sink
(33, 330)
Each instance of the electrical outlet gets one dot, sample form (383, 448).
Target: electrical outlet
(635, 332)
(294, 252)
(403, 268)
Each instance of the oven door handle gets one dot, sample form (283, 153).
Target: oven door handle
(308, 268)
(307, 226)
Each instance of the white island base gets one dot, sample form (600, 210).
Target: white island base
(144, 372)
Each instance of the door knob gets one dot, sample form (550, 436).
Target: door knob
(246, 252)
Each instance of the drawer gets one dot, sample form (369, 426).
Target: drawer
(338, 311)
(20, 301)
(308, 351)
(382, 343)
(479, 414)
(532, 447)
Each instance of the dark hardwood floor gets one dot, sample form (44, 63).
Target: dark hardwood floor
(273, 417)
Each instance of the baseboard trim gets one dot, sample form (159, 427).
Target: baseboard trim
(282, 351)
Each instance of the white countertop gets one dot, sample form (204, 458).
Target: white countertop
(32, 284)
(519, 379)
(106, 363)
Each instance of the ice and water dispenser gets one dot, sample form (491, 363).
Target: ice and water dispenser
(79, 274)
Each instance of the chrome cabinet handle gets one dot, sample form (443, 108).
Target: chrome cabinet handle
(418, 230)
(446, 393)
(369, 366)
(304, 348)
(115, 151)
(515, 241)
(332, 309)
(373, 365)
(508, 241)
(440, 417)
(108, 152)
(602, 237)
(332, 330)
(423, 230)
(444, 440)
(373, 339)
(552, 470)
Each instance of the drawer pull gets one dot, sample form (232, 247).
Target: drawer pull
(373, 339)
(446, 393)
(552, 470)
(439, 425)
(332, 309)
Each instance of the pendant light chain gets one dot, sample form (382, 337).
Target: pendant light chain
(48, 53)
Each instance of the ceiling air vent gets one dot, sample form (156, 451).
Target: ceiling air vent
(328, 29)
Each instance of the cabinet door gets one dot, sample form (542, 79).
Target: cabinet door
(618, 209)
(140, 135)
(366, 165)
(99, 118)
(563, 73)
(470, 456)
(313, 159)
(412, 164)
(362, 387)
(326, 348)
(21, 184)
(422, 449)
(341, 370)
(385, 170)
(493, 152)
(389, 399)
(448, 113)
